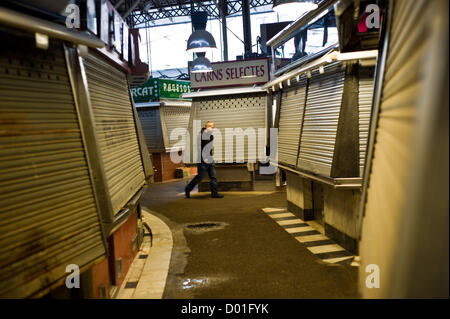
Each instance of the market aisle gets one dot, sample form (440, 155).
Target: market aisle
(229, 248)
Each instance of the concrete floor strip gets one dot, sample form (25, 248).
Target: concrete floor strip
(297, 229)
(325, 248)
(278, 215)
(274, 210)
(148, 273)
(289, 222)
(278, 219)
(334, 254)
(305, 239)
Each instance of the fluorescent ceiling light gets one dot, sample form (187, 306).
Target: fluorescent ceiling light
(288, 6)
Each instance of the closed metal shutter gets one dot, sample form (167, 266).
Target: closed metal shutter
(151, 126)
(174, 117)
(116, 129)
(290, 123)
(238, 111)
(394, 140)
(321, 118)
(365, 96)
(49, 217)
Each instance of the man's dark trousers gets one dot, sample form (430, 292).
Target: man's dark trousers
(202, 169)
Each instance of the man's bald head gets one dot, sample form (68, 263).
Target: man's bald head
(209, 125)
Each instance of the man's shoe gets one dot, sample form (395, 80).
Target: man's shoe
(217, 196)
(187, 193)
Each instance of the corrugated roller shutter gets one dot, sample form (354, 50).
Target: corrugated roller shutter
(151, 126)
(365, 96)
(321, 118)
(174, 117)
(116, 129)
(48, 213)
(403, 81)
(290, 123)
(239, 111)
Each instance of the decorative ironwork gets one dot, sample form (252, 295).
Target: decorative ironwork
(153, 10)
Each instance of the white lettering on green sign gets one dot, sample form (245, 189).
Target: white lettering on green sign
(176, 87)
(142, 91)
(156, 89)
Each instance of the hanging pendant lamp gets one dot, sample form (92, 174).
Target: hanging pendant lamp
(200, 41)
(201, 64)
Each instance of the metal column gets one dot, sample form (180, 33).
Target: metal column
(223, 8)
(246, 26)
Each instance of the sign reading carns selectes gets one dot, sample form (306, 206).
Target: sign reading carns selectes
(240, 72)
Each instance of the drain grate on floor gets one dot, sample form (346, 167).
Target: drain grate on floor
(203, 225)
(131, 284)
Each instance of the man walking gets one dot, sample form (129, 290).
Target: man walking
(207, 164)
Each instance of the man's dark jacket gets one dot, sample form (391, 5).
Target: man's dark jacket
(204, 138)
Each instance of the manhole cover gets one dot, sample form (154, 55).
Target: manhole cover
(203, 225)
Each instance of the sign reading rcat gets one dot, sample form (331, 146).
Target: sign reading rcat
(155, 89)
(147, 92)
(240, 72)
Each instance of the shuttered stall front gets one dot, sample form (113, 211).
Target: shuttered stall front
(403, 82)
(290, 123)
(321, 118)
(48, 213)
(232, 111)
(365, 95)
(116, 129)
(174, 117)
(151, 126)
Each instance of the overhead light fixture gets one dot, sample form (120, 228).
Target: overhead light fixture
(201, 64)
(299, 6)
(201, 41)
(41, 41)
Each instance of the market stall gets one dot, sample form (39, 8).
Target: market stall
(232, 97)
(323, 88)
(161, 111)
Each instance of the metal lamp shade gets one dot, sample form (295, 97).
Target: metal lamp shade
(200, 41)
(200, 65)
(293, 5)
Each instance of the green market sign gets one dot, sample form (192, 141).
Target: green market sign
(147, 92)
(156, 89)
(172, 89)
